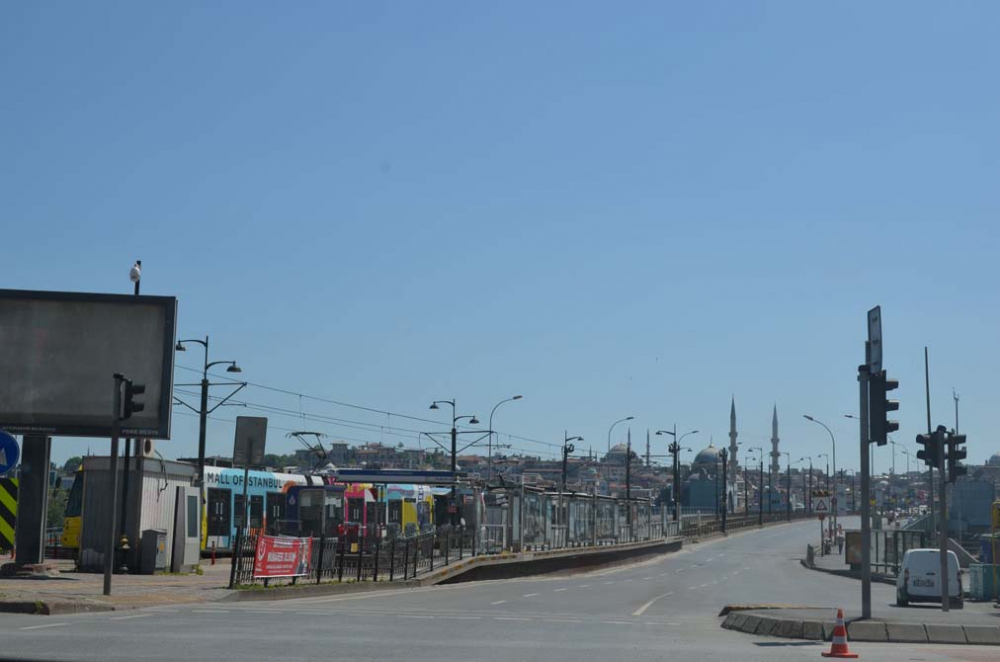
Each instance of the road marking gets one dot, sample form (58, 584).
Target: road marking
(39, 627)
(584, 586)
(641, 610)
(646, 579)
(125, 618)
(679, 570)
(426, 618)
(511, 618)
(563, 620)
(628, 580)
(703, 586)
(691, 588)
(209, 611)
(606, 583)
(673, 623)
(264, 611)
(563, 589)
(616, 622)
(529, 595)
(464, 618)
(498, 602)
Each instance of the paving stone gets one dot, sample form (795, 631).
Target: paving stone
(907, 632)
(983, 634)
(767, 625)
(750, 624)
(945, 634)
(812, 630)
(866, 631)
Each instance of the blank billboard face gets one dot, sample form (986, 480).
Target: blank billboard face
(59, 353)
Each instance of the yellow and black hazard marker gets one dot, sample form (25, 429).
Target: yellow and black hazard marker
(8, 513)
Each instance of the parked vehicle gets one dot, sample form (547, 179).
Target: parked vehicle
(919, 576)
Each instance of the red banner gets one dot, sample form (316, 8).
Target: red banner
(280, 556)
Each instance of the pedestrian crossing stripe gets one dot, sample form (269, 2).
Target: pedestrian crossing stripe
(8, 512)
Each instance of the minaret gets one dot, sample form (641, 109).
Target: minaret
(733, 448)
(775, 455)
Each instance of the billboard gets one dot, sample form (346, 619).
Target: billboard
(278, 556)
(248, 448)
(59, 352)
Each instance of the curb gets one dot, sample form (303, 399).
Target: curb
(56, 608)
(862, 631)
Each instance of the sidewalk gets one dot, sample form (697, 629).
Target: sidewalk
(77, 591)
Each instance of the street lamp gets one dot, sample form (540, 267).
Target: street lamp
(627, 418)
(567, 449)
(675, 448)
(809, 499)
(454, 448)
(203, 411)
(833, 444)
(489, 459)
(760, 487)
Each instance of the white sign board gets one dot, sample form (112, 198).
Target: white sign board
(821, 506)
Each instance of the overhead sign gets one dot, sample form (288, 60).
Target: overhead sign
(251, 435)
(9, 452)
(281, 556)
(875, 340)
(59, 352)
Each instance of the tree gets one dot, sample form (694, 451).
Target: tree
(72, 464)
(57, 508)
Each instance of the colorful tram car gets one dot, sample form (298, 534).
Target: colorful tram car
(267, 494)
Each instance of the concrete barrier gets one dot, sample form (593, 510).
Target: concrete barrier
(983, 634)
(750, 624)
(945, 634)
(767, 625)
(812, 630)
(867, 631)
(907, 632)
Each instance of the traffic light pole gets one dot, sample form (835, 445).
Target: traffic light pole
(943, 517)
(866, 527)
(109, 550)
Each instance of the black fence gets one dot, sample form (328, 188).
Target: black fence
(361, 558)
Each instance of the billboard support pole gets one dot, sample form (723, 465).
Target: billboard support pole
(109, 550)
(33, 494)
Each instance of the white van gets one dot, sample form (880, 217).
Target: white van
(918, 578)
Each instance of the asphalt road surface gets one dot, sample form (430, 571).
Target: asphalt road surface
(657, 610)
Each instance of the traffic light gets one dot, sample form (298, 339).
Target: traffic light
(130, 406)
(879, 407)
(956, 453)
(931, 451)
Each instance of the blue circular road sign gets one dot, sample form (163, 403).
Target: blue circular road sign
(10, 452)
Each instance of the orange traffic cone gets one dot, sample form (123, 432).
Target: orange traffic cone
(839, 647)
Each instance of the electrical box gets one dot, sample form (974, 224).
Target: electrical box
(153, 551)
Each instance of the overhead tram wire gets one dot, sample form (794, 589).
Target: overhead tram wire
(360, 407)
(339, 436)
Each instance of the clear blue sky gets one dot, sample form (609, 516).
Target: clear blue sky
(641, 209)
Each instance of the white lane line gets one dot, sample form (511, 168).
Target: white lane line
(691, 588)
(464, 618)
(529, 595)
(673, 623)
(641, 610)
(264, 611)
(511, 618)
(558, 589)
(498, 602)
(626, 580)
(126, 618)
(679, 570)
(703, 586)
(584, 586)
(722, 554)
(39, 627)
(616, 622)
(209, 611)
(606, 583)
(562, 620)
(426, 618)
(646, 579)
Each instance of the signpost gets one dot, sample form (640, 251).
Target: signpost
(248, 449)
(10, 453)
(821, 506)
